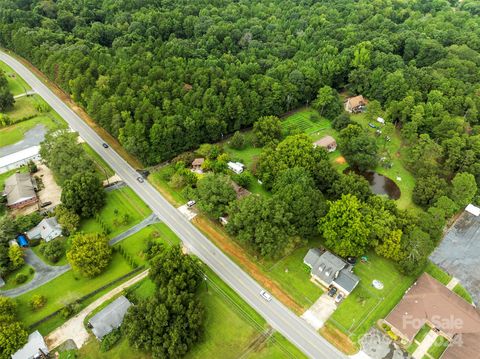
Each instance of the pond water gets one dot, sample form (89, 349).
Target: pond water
(380, 184)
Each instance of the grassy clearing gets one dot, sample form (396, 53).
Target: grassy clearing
(16, 84)
(361, 309)
(294, 276)
(438, 347)
(10, 278)
(15, 133)
(462, 292)
(123, 200)
(23, 107)
(136, 243)
(102, 167)
(437, 273)
(302, 121)
(67, 288)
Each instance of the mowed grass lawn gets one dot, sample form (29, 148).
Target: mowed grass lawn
(67, 288)
(24, 107)
(294, 276)
(230, 327)
(123, 200)
(102, 167)
(9, 279)
(15, 133)
(361, 309)
(16, 84)
(136, 244)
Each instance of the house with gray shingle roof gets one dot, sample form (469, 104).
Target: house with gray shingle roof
(110, 317)
(47, 229)
(20, 190)
(327, 269)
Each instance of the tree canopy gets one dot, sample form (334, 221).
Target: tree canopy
(214, 193)
(83, 194)
(89, 254)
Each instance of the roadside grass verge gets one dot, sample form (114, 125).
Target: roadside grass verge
(120, 202)
(66, 289)
(103, 168)
(16, 84)
(9, 279)
(365, 305)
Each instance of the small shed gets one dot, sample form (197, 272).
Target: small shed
(473, 210)
(236, 167)
(22, 241)
(381, 120)
(197, 164)
(34, 349)
(327, 142)
(110, 317)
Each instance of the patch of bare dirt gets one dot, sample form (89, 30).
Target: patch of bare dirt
(338, 339)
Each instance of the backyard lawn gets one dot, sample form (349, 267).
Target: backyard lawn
(119, 202)
(67, 288)
(62, 261)
(438, 273)
(361, 309)
(16, 84)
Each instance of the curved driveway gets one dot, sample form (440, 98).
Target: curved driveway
(277, 315)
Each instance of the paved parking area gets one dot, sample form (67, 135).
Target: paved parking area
(459, 253)
(320, 311)
(188, 212)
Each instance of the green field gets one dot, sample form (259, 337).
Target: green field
(123, 200)
(136, 243)
(247, 155)
(301, 121)
(67, 288)
(16, 84)
(10, 278)
(23, 107)
(294, 276)
(361, 309)
(103, 168)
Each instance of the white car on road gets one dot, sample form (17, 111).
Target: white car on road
(267, 296)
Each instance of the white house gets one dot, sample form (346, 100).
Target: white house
(236, 167)
(47, 229)
(34, 349)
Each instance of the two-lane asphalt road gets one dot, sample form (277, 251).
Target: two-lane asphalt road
(276, 314)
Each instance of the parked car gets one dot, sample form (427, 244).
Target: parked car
(46, 204)
(104, 145)
(332, 291)
(191, 203)
(351, 260)
(339, 298)
(267, 296)
(140, 179)
(372, 125)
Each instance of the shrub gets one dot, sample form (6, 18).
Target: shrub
(37, 301)
(237, 141)
(20, 278)
(69, 310)
(53, 250)
(110, 340)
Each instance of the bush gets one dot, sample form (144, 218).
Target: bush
(53, 250)
(110, 340)
(69, 310)
(238, 140)
(20, 278)
(38, 301)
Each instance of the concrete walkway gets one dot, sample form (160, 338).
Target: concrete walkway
(151, 219)
(44, 273)
(28, 93)
(74, 328)
(425, 345)
(453, 282)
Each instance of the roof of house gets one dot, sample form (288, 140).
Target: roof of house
(32, 348)
(198, 161)
(19, 187)
(473, 210)
(326, 266)
(429, 300)
(356, 101)
(19, 156)
(325, 141)
(347, 280)
(312, 256)
(110, 317)
(44, 228)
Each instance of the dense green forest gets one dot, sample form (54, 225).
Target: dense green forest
(166, 76)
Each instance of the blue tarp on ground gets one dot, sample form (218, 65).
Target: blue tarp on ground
(22, 241)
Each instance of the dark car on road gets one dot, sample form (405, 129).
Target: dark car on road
(104, 145)
(140, 179)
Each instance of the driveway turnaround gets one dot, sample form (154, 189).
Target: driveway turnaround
(151, 219)
(459, 253)
(44, 273)
(276, 314)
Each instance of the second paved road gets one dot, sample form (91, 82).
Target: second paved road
(276, 314)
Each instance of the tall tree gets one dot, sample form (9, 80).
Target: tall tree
(83, 194)
(358, 147)
(214, 193)
(267, 130)
(89, 254)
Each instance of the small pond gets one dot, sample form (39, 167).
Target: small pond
(379, 184)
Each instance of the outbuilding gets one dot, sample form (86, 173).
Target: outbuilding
(327, 142)
(110, 317)
(236, 167)
(36, 348)
(20, 190)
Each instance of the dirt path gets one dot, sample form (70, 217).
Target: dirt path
(74, 328)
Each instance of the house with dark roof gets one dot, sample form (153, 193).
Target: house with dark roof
(20, 190)
(47, 229)
(110, 317)
(327, 142)
(34, 349)
(355, 104)
(329, 270)
(429, 302)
